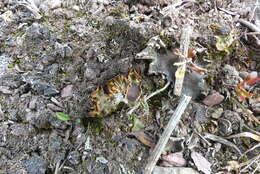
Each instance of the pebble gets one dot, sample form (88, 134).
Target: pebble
(54, 107)
(5, 90)
(67, 91)
(217, 113)
(35, 165)
(213, 99)
(74, 157)
(32, 104)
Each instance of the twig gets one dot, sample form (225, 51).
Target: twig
(157, 91)
(148, 97)
(248, 163)
(253, 148)
(180, 72)
(175, 118)
(249, 25)
(222, 141)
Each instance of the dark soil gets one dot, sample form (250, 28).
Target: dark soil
(52, 63)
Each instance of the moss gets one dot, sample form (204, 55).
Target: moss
(95, 125)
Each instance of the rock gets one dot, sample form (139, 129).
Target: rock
(63, 50)
(32, 104)
(213, 99)
(37, 33)
(102, 160)
(74, 157)
(35, 165)
(256, 108)
(91, 71)
(231, 75)
(5, 90)
(5, 60)
(217, 113)
(54, 107)
(22, 129)
(166, 21)
(43, 88)
(67, 91)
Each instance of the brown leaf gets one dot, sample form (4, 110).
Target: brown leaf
(201, 162)
(144, 138)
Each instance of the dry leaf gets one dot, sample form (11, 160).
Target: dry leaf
(144, 138)
(174, 159)
(201, 162)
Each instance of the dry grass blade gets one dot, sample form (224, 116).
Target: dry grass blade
(246, 134)
(222, 141)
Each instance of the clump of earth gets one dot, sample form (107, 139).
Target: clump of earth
(54, 54)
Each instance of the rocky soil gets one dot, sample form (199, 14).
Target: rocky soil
(72, 74)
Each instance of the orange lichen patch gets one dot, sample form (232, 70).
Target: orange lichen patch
(120, 89)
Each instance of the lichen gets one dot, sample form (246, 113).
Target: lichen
(118, 90)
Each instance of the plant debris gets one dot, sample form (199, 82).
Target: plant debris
(118, 90)
(201, 162)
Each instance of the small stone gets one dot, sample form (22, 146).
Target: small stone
(55, 101)
(76, 8)
(32, 104)
(243, 74)
(63, 50)
(213, 99)
(21, 129)
(217, 113)
(67, 91)
(256, 107)
(5, 90)
(35, 165)
(102, 160)
(50, 91)
(54, 107)
(166, 21)
(90, 72)
(74, 157)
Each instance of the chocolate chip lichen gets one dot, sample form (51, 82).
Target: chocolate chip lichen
(118, 90)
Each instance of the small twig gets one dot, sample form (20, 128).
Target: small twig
(57, 168)
(222, 141)
(249, 25)
(253, 148)
(148, 97)
(252, 33)
(257, 167)
(249, 163)
(175, 118)
(157, 91)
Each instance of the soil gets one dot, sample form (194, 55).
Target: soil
(55, 54)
